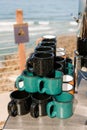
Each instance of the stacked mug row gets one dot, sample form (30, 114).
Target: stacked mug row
(31, 83)
(22, 102)
(44, 63)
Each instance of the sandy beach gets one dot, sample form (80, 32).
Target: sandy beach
(67, 41)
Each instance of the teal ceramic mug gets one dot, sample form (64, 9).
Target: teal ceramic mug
(27, 81)
(69, 65)
(69, 69)
(51, 86)
(61, 106)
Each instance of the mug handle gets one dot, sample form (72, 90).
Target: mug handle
(50, 109)
(41, 88)
(18, 80)
(29, 67)
(34, 110)
(12, 109)
(31, 58)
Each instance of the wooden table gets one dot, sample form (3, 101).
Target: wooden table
(77, 122)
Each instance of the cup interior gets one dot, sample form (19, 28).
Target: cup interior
(43, 55)
(43, 49)
(48, 44)
(59, 59)
(40, 97)
(64, 97)
(19, 95)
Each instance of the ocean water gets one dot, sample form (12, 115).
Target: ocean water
(43, 16)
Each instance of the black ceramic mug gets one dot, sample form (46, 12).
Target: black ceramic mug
(19, 104)
(61, 60)
(43, 64)
(68, 60)
(58, 66)
(29, 63)
(39, 103)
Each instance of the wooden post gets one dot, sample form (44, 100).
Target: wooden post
(21, 46)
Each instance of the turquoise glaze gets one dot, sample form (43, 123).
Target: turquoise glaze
(61, 106)
(27, 81)
(69, 69)
(51, 86)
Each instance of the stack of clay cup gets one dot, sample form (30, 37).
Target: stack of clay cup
(46, 86)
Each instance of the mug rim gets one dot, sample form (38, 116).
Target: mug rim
(63, 102)
(51, 55)
(49, 36)
(44, 49)
(25, 75)
(17, 92)
(55, 78)
(39, 100)
(52, 44)
(59, 57)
